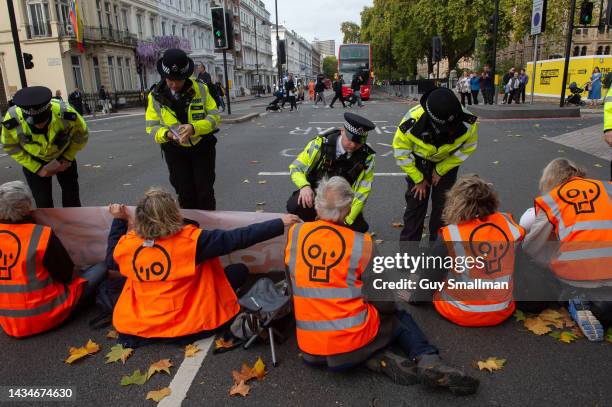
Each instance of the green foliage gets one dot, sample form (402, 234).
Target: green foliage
(330, 66)
(350, 32)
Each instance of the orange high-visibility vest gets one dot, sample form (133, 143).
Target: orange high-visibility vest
(494, 239)
(580, 211)
(31, 301)
(166, 294)
(325, 262)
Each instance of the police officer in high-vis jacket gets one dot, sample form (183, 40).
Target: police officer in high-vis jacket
(44, 135)
(433, 139)
(182, 116)
(342, 152)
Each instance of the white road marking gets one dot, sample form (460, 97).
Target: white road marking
(376, 174)
(98, 131)
(375, 121)
(384, 144)
(3, 155)
(115, 117)
(181, 382)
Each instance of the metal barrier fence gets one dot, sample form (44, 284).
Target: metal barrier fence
(415, 89)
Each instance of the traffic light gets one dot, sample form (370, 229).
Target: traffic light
(492, 24)
(219, 27)
(609, 13)
(586, 13)
(27, 60)
(436, 52)
(229, 29)
(282, 55)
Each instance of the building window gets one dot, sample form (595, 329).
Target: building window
(63, 11)
(99, 10)
(193, 40)
(183, 32)
(152, 22)
(120, 73)
(97, 77)
(115, 11)
(107, 11)
(76, 71)
(200, 6)
(139, 25)
(599, 50)
(128, 74)
(39, 18)
(111, 73)
(173, 29)
(576, 51)
(163, 28)
(607, 50)
(124, 15)
(583, 51)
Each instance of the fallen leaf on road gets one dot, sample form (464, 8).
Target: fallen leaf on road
(254, 162)
(536, 125)
(397, 225)
(86, 165)
(491, 364)
(567, 337)
(560, 151)
(135, 378)
(241, 389)
(246, 181)
(608, 336)
(568, 322)
(191, 350)
(495, 162)
(162, 365)
(127, 184)
(112, 334)
(77, 353)
(517, 135)
(537, 326)
(519, 315)
(261, 203)
(221, 343)
(97, 166)
(598, 165)
(258, 371)
(110, 157)
(378, 241)
(129, 165)
(495, 140)
(263, 181)
(158, 395)
(118, 353)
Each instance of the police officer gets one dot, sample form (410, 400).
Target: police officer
(182, 116)
(433, 139)
(341, 152)
(44, 135)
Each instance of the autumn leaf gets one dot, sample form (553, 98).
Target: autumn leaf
(259, 369)
(261, 203)
(77, 353)
(519, 315)
(191, 350)
(378, 241)
(162, 365)
(118, 353)
(397, 225)
(241, 389)
(221, 343)
(491, 364)
(495, 162)
(537, 326)
(552, 317)
(246, 181)
(136, 378)
(158, 395)
(598, 165)
(254, 162)
(555, 334)
(263, 181)
(608, 336)
(568, 322)
(112, 334)
(567, 337)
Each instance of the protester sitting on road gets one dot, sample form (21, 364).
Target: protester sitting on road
(176, 286)
(38, 286)
(475, 227)
(336, 326)
(575, 213)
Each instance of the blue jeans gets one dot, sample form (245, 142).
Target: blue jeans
(410, 338)
(94, 276)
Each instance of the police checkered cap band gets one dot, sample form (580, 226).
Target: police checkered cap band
(358, 131)
(437, 119)
(174, 68)
(34, 112)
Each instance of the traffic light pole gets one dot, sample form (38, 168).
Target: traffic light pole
(493, 63)
(22, 75)
(227, 92)
(568, 49)
(278, 61)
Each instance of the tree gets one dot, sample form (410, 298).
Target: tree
(350, 31)
(330, 66)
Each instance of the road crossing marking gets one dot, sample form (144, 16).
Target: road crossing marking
(181, 382)
(115, 117)
(98, 131)
(376, 174)
(375, 121)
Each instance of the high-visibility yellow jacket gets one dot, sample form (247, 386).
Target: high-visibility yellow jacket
(66, 135)
(202, 115)
(310, 160)
(608, 111)
(407, 148)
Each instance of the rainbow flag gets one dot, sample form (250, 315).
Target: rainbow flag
(77, 24)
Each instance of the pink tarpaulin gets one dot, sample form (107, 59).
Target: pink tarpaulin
(84, 233)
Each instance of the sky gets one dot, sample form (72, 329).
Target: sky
(317, 18)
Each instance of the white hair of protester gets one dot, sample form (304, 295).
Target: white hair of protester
(15, 201)
(333, 199)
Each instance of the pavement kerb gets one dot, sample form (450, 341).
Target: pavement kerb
(240, 119)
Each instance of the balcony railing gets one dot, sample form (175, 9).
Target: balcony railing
(102, 34)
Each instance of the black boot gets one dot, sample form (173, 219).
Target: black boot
(398, 368)
(435, 373)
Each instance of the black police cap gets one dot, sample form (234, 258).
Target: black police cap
(175, 64)
(33, 100)
(357, 127)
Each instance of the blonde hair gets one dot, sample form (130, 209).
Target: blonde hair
(470, 198)
(157, 215)
(15, 201)
(557, 172)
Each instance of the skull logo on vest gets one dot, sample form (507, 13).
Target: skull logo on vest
(10, 249)
(151, 263)
(490, 242)
(581, 197)
(323, 248)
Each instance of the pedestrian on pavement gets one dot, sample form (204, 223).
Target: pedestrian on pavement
(341, 152)
(221, 93)
(608, 123)
(40, 290)
(345, 330)
(103, 96)
(290, 92)
(44, 136)
(572, 238)
(430, 144)
(506, 78)
(168, 260)
(337, 87)
(486, 85)
(182, 116)
(205, 77)
(514, 89)
(311, 90)
(300, 96)
(464, 88)
(320, 90)
(76, 100)
(472, 215)
(524, 79)
(474, 86)
(356, 87)
(595, 87)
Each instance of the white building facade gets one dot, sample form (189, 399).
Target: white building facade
(255, 28)
(299, 55)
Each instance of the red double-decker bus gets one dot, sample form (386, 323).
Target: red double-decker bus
(355, 59)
